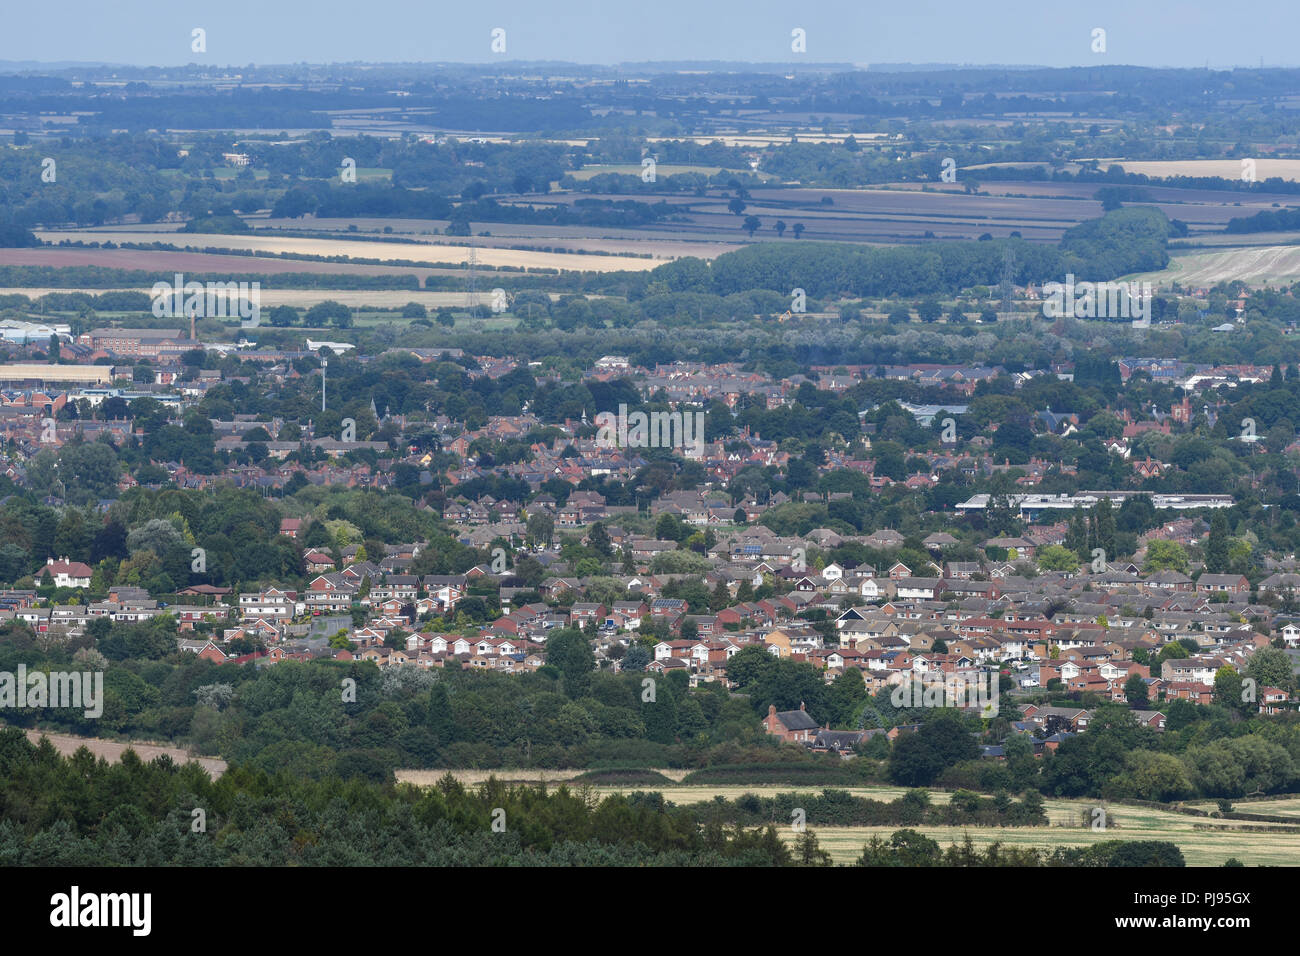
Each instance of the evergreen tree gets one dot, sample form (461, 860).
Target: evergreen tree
(1216, 548)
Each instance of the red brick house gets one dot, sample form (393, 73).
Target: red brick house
(794, 726)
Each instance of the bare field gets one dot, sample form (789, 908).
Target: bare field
(1258, 265)
(1288, 169)
(431, 252)
(111, 750)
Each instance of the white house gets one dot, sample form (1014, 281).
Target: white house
(67, 574)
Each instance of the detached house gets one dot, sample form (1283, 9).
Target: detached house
(794, 726)
(67, 574)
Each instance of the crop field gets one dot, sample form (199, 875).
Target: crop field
(1288, 169)
(431, 252)
(661, 169)
(761, 140)
(1204, 842)
(1257, 266)
(1279, 806)
(1200, 847)
(164, 263)
(306, 298)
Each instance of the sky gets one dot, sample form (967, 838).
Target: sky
(1188, 33)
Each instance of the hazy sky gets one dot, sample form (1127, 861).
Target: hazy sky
(1047, 32)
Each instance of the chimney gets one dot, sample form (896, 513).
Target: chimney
(771, 710)
(801, 705)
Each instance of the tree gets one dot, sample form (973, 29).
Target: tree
(918, 759)
(1227, 688)
(1271, 667)
(797, 229)
(637, 658)
(780, 228)
(598, 540)
(329, 312)
(1165, 556)
(540, 528)
(929, 310)
(283, 316)
(569, 651)
(807, 851)
(752, 224)
(1216, 547)
(1056, 557)
(1135, 691)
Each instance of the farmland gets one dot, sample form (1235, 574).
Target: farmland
(1204, 841)
(1256, 266)
(431, 252)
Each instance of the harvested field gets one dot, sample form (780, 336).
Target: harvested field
(1257, 266)
(431, 252)
(1204, 842)
(662, 169)
(472, 778)
(1200, 847)
(165, 263)
(111, 750)
(1288, 169)
(1279, 806)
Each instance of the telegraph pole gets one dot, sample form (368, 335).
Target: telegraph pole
(324, 364)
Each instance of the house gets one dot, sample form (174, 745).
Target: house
(794, 726)
(317, 562)
(67, 574)
(204, 649)
(837, 741)
(1222, 583)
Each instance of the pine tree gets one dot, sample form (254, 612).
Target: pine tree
(1216, 548)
